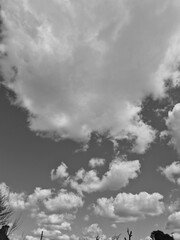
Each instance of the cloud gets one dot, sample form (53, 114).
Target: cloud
(92, 231)
(55, 219)
(60, 172)
(73, 66)
(174, 206)
(176, 236)
(127, 207)
(169, 70)
(96, 162)
(173, 222)
(17, 201)
(172, 172)
(24, 201)
(52, 225)
(118, 176)
(54, 222)
(55, 234)
(51, 200)
(74, 237)
(173, 122)
(28, 237)
(64, 200)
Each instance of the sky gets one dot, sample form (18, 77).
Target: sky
(90, 117)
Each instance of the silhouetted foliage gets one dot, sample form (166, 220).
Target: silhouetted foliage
(97, 238)
(129, 234)
(5, 210)
(8, 225)
(4, 232)
(159, 235)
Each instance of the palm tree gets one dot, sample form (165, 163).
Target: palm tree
(6, 213)
(5, 210)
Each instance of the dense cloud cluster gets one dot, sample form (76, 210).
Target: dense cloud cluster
(118, 176)
(127, 207)
(72, 69)
(79, 67)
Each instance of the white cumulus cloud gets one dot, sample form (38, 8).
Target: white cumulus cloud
(84, 66)
(60, 172)
(118, 176)
(173, 222)
(92, 231)
(50, 199)
(64, 200)
(96, 162)
(130, 207)
(172, 172)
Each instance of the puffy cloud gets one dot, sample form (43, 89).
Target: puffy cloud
(60, 172)
(64, 200)
(53, 224)
(73, 66)
(74, 237)
(174, 206)
(24, 201)
(118, 176)
(55, 234)
(51, 233)
(176, 236)
(64, 237)
(92, 231)
(173, 222)
(55, 219)
(18, 201)
(96, 162)
(130, 207)
(65, 226)
(49, 198)
(172, 172)
(39, 195)
(146, 238)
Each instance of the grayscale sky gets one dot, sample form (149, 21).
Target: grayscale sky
(90, 117)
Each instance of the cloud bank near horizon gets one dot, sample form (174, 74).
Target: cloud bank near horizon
(79, 67)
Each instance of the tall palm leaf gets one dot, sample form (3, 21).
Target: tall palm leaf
(5, 210)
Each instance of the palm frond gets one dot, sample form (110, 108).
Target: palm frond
(15, 225)
(5, 210)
